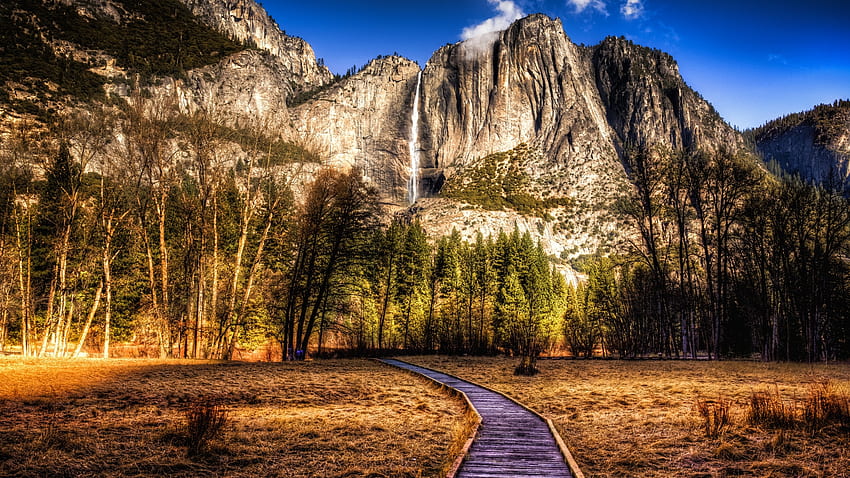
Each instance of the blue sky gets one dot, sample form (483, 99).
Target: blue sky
(753, 60)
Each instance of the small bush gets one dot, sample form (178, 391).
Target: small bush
(205, 421)
(527, 366)
(768, 409)
(715, 416)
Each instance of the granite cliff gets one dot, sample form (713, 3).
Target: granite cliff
(523, 113)
(814, 144)
(247, 22)
(571, 110)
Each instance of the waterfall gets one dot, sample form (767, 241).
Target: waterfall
(413, 182)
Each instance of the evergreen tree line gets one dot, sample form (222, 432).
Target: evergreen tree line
(177, 237)
(727, 260)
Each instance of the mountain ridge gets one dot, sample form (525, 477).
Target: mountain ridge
(814, 144)
(578, 109)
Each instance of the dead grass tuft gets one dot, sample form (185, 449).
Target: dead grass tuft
(768, 409)
(826, 405)
(205, 421)
(715, 415)
(728, 451)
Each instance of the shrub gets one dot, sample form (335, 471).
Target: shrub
(527, 366)
(205, 421)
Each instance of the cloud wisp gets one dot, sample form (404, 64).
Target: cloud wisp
(582, 5)
(632, 9)
(479, 38)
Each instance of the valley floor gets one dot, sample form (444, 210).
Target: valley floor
(351, 418)
(355, 418)
(639, 418)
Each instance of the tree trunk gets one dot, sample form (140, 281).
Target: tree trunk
(165, 305)
(24, 281)
(86, 327)
(107, 315)
(249, 286)
(214, 291)
(385, 304)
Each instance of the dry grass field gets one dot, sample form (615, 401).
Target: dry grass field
(352, 418)
(640, 419)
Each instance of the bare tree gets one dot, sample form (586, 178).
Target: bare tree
(148, 129)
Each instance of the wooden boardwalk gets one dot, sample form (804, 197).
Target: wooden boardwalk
(511, 442)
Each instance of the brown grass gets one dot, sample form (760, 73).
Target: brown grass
(128, 418)
(715, 415)
(768, 409)
(827, 406)
(638, 418)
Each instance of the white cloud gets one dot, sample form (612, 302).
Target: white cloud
(478, 38)
(632, 9)
(508, 13)
(581, 5)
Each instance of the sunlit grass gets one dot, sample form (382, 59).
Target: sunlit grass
(640, 418)
(128, 417)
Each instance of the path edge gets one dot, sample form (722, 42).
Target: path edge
(464, 451)
(565, 451)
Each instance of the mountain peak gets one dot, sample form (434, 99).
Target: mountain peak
(813, 143)
(248, 22)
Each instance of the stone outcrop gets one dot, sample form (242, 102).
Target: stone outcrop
(647, 101)
(814, 144)
(247, 22)
(364, 121)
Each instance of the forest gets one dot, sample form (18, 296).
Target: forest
(139, 230)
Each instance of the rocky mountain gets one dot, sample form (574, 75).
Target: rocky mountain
(521, 128)
(814, 143)
(227, 56)
(254, 84)
(565, 112)
(647, 101)
(247, 22)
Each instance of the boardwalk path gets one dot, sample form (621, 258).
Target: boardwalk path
(512, 441)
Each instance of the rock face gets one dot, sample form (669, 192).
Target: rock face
(245, 86)
(532, 85)
(364, 121)
(814, 144)
(529, 85)
(648, 102)
(247, 22)
(252, 84)
(577, 108)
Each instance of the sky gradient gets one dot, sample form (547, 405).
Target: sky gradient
(753, 60)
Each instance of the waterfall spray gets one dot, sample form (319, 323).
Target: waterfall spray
(413, 182)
